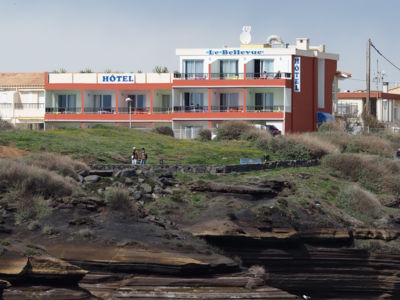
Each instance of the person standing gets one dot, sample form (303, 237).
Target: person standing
(143, 157)
(135, 156)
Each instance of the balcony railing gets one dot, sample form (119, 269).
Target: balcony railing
(5, 105)
(269, 75)
(232, 76)
(162, 110)
(191, 76)
(28, 105)
(99, 110)
(192, 108)
(227, 76)
(226, 108)
(272, 108)
(134, 110)
(63, 110)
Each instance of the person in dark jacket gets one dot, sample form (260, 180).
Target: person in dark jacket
(135, 156)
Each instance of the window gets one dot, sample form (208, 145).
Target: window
(66, 103)
(267, 67)
(3, 97)
(264, 101)
(229, 101)
(165, 101)
(194, 68)
(193, 101)
(102, 102)
(229, 68)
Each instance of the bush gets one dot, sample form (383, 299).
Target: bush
(260, 137)
(370, 144)
(63, 165)
(30, 208)
(257, 271)
(336, 138)
(4, 125)
(232, 130)
(204, 134)
(378, 175)
(118, 199)
(32, 180)
(336, 126)
(287, 149)
(164, 130)
(317, 147)
(359, 201)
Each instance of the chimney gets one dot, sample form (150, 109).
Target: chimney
(303, 43)
(385, 87)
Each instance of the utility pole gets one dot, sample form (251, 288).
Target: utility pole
(367, 102)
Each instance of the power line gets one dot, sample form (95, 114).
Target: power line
(388, 60)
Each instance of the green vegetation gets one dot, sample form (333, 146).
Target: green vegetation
(111, 145)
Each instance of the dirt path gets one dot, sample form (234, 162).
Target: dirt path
(10, 152)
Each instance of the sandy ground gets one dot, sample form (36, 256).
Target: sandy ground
(10, 152)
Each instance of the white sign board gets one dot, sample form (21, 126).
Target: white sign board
(296, 77)
(234, 52)
(119, 78)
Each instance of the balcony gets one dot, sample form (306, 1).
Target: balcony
(99, 110)
(162, 110)
(232, 76)
(63, 110)
(226, 108)
(348, 110)
(28, 105)
(192, 108)
(134, 110)
(272, 108)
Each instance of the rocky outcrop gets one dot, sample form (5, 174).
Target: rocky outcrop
(140, 260)
(43, 269)
(235, 286)
(309, 262)
(46, 293)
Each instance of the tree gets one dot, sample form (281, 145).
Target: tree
(160, 69)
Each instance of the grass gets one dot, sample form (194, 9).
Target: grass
(113, 144)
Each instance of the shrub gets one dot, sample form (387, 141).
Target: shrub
(232, 130)
(336, 126)
(63, 165)
(30, 209)
(118, 199)
(373, 173)
(5, 125)
(85, 233)
(204, 134)
(165, 130)
(370, 144)
(317, 147)
(260, 137)
(359, 201)
(48, 230)
(337, 138)
(287, 149)
(32, 180)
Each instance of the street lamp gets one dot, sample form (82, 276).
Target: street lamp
(129, 100)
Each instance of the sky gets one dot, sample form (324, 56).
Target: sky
(132, 35)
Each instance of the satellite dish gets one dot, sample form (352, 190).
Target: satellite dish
(245, 36)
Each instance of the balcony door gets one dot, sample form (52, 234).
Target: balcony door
(165, 102)
(229, 102)
(102, 103)
(193, 101)
(264, 101)
(138, 102)
(194, 69)
(229, 69)
(66, 103)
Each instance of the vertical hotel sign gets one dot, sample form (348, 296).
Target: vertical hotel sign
(297, 79)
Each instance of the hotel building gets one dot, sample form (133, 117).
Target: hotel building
(274, 83)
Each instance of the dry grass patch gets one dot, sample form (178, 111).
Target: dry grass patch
(374, 173)
(118, 199)
(232, 130)
(359, 201)
(317, 146)
(370, 144)
(61, 164)
(32, 180)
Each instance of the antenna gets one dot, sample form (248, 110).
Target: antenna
(245, 36)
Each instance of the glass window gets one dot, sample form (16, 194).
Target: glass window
(71, 103)
(140, 101)
(267, 66)
(165, 101)
(264, 101)
(194, 68)
(234, 100)
(107, 101)
(229, 68)
(197, 100)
